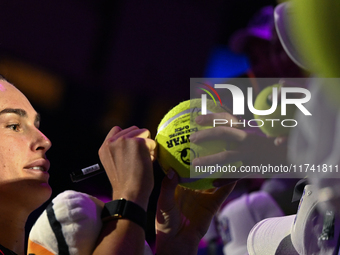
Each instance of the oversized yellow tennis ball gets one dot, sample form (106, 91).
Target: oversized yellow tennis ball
(175, 150)
(272, 128)
(316, 31)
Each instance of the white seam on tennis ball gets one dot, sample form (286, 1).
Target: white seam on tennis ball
(177, 116)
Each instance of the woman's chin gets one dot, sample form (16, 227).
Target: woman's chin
(45, 192)
(42, 192)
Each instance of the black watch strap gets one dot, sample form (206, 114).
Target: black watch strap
(124, 209)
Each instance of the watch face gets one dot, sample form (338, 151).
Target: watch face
(114, 209)
(123, 209)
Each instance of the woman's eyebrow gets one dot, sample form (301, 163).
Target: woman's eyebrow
(21, 113)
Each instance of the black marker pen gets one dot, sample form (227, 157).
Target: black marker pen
(86, 172)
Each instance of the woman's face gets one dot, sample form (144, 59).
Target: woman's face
(23, 163)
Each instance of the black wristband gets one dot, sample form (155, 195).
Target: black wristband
(123, 209)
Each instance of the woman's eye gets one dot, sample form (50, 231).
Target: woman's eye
(14, 127)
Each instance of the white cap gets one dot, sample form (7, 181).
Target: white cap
(239, 216)
(304, 233)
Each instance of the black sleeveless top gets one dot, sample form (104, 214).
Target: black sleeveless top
(5, 251)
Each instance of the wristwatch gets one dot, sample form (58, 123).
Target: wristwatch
(124, 209)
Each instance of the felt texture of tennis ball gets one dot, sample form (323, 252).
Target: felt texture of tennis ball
(174, 148)
(262, 102)
(316, 32)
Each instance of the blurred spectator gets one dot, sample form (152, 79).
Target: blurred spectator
(260, 42)
(315, 227)
(268, 59)
(239, 216)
